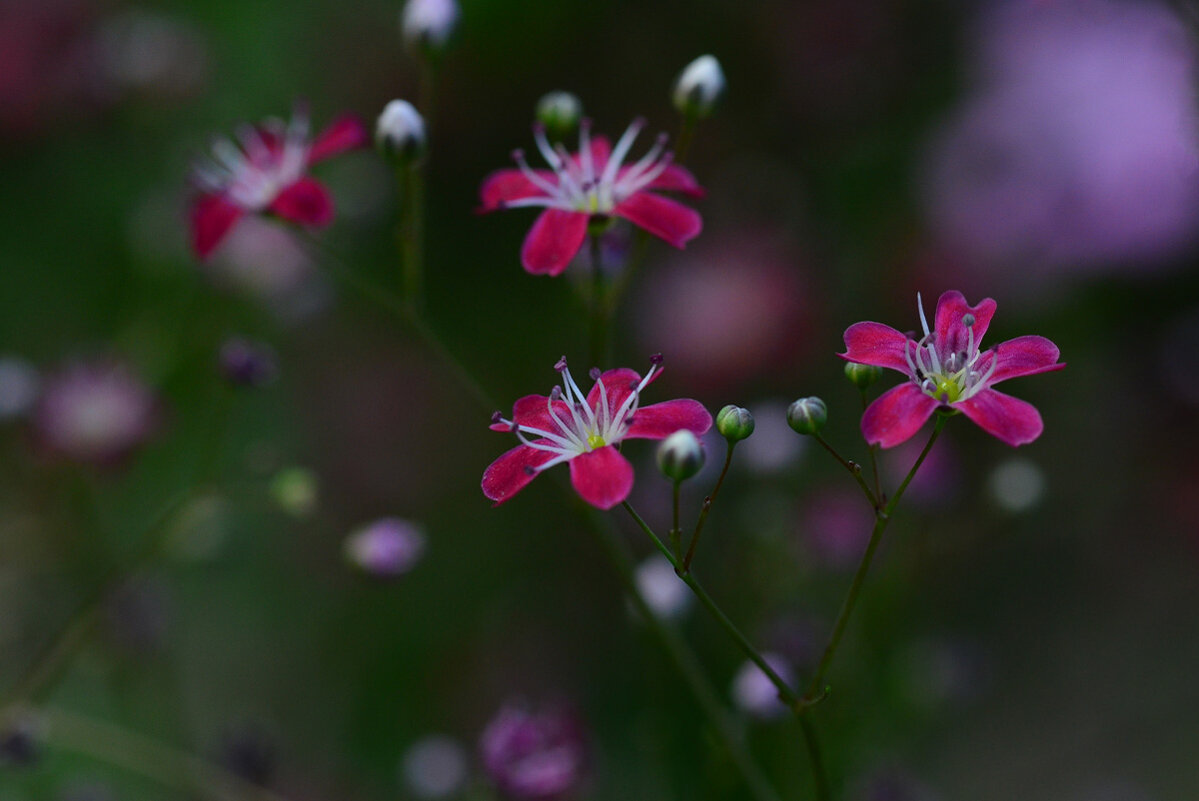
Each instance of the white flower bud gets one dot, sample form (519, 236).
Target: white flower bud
(699, 87)
(428, 24)
(400, 132)
(559, 112)
(681, 455)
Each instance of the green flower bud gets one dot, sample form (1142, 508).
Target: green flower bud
(862, 375)
(681, 455)
(699, 87)
(295, 490)
(400, 132)
(807, 416)
(734, 423)
(559, 112)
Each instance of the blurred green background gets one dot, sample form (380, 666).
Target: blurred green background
(1029, 629)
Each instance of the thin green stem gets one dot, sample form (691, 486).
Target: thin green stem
(796, 703)
(600, 310)
(685, 662)
(786, 693)
(410, 233)
(878, 487)
(682, 142)
(816, 687)
(854, 469)
(676, 534)
(812, 743)
(136, 753)
(707, 507)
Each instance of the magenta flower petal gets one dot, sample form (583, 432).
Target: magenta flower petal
(504, 186)
(553, 241)
(662, 217)
(1026, 355)
(305, 202)
(1012, 420)
(602, 477)
(347, 132)
(509, 474)
(876, 344)
(677, 179)
(951, 334)
(618, 384)
(663, 419)
(533, 411)
(896, 415)
(212, 217)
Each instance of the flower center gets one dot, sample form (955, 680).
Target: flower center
(949, 377)
(583, 182)
(575, 424)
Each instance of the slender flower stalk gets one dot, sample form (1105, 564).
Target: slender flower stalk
(787, 695)
(707, 507)
(600, 310)
(143, 756)
(816, 688)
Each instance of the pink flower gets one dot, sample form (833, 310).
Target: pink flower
(947, 369)
(267, 173)
(567, 426)
(595, 182)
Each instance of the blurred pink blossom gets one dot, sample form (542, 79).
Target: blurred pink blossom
(1078, 148)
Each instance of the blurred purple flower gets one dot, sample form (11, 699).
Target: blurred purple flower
(939, 479)
(434, 767)
(1079, 148)
(726, 309)
(890, 784)
(754, 693)
(388, 547)
(247, 363)
(18, 387)
(138, 614)
(248, 752)
(837, 526)
(95, 412)
(661, 588)
(533, 756)
(46, 62)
